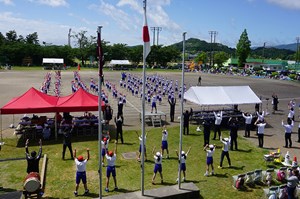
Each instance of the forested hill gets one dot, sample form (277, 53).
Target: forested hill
(194, 45)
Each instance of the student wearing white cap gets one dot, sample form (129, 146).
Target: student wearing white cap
(210, 150)
(157, 166)
(182, 162)
(225, 151)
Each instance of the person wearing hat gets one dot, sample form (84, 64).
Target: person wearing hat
(157, 166)
(111, 157)
(225, 151)
(81, 171)
(33, 159)
(210, 150)
(164, 142)
(104, 146)
(218, 121)
(182, 162)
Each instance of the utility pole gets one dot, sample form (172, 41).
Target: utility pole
(153, 29)
(213, 35)
(297, 51)
(69, 37)
(263, 61)
(157, 30)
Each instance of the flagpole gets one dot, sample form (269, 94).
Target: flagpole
(181, 111)
(100, 57)
(143, 107)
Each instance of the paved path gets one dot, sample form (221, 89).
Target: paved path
(14, 83)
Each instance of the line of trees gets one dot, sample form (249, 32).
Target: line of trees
(27, 50)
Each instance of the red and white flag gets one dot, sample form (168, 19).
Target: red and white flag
(146, 37)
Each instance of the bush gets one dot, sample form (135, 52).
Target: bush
(293, 76)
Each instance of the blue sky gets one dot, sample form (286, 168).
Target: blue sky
(271, 21)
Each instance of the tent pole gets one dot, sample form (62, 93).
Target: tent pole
(55, 126)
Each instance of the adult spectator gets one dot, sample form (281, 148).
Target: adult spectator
(46, 132)
(288, 132)
(67, 143)
(260, 132)
(172, 102)
(248, 122)
(33, 159)
(119, 125)
(206, 131)
(233, 125)
(120, 106)
(292, 183)
(108, 113)
(275, 102)
(199, 80)
(186, 121)
(218, 121)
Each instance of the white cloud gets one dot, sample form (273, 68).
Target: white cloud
(52, 3)
(291, 4)
(7, 2)
(47, 31)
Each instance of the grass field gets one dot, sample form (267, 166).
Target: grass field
(60, 178)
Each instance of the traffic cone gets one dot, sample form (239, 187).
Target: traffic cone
(295, 163)
(78, 67)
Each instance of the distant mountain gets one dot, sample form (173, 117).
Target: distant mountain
(194, 46)
(292, 47)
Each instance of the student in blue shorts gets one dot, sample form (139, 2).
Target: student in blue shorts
(140, 147)
(81, 171)
(111, 168)
(182, 162)
(164, 142)
(157, 166)
(210, 150)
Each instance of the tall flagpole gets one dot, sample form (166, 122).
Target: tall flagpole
(181, 110)
(100, 64)
(146, 50)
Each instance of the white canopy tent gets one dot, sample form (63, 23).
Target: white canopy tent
(119, 62)
(221, 95)
(53, 61)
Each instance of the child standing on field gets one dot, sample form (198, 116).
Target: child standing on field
(157, 166)
(182, 162)
(164, 142)
(210, 150)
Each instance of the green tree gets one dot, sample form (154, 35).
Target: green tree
(243, 48)
(11, 36)
(32, 38)
(85, 46)
(201, 57)
(220, 58)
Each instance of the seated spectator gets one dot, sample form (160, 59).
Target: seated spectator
(46, 132)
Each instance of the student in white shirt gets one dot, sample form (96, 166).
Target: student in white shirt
(225, 151)
(111, 157)
(164, 142)
(81, 171)
(260, 132)
(210, 150)
(218, 121)
(248, 121)
(288, 132)
(183, 162)
(157, 166)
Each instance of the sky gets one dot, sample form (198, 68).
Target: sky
(273, 22)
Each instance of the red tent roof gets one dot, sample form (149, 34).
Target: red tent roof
(78, 101)
(33, 101)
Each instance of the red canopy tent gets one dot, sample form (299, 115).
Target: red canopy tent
(32, 101)
(78, 101)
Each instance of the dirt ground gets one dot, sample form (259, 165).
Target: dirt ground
(14, 83)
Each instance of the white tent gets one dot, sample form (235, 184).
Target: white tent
(53, 61)
(119, 62)
(221, 95)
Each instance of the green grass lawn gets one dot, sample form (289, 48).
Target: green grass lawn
(60, 177)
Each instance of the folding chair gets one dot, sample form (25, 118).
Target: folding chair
(258, 176)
